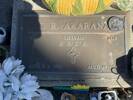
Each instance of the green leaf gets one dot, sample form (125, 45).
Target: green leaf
(77, 8)
(101, 6)
(52, 4)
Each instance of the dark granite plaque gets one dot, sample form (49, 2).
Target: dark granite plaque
(63, 50)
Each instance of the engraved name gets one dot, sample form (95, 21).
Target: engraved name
(95, 26)
(74, 38)
(100, 67)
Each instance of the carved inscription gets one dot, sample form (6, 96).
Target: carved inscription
(79, 26)
(112, 38)
(74, 54)
(72, 44)
(73, 40)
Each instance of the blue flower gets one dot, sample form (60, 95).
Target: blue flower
(28, 87)
(13, 66)
(14, 85)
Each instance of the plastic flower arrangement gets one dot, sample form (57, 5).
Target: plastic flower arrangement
(85, 7)
(14, 84)
(80, 87)
(77, 7)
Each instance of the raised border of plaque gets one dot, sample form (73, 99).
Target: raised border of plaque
(44, 31)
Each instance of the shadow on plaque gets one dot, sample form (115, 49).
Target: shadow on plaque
(36, 55)
(37, 61)
(35, 58)
(31, 54)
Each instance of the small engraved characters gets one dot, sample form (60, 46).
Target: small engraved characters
(73, 54)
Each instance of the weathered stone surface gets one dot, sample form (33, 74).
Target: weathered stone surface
(69, 44)
(64, 50)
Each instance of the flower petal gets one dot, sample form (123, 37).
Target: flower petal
(18, 71)
(14, 97)
(28, 89)
(1, 96)
(45, 95)
(3, 78)
(27, 77)
(29, 86)
(15, 83)
(24, 96)
(8, 96)
(8, 65)
(30, 83)
(17, 62)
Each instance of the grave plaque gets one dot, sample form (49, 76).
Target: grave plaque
(63, 50)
